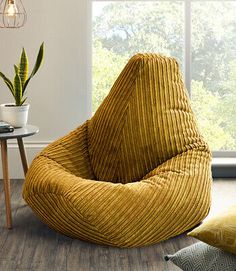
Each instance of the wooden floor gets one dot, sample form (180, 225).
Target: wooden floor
(31, 245)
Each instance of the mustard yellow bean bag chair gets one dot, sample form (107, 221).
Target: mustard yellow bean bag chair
(137, 173)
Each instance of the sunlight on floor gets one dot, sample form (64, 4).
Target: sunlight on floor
(223, 195)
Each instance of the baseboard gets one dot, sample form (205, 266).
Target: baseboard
(14, 162)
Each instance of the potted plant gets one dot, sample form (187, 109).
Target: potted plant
(17, 113)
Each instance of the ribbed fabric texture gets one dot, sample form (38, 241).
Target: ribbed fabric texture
(145, 120)
(137, 173)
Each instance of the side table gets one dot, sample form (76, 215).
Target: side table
(18, 134)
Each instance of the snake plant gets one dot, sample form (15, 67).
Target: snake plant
(22, 78)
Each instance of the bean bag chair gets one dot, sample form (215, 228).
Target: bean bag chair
(136, 173)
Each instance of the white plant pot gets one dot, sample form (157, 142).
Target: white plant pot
(17, 116)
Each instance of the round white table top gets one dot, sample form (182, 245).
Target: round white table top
(27, 130)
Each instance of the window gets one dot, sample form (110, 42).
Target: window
(213, 49)
(200, 34)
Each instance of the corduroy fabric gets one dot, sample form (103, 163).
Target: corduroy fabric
(137, 173)
(145, 120)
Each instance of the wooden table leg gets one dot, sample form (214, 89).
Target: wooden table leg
(22, 154)
(6, 183)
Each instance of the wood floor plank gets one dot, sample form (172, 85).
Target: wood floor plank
(62, 253)
(33, 246)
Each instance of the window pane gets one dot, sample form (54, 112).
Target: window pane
(214, 71)
(124, 28)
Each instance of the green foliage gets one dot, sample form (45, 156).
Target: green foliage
(8, 83)
(21, 79)
(106, 67)
(206, 108)
(131, 27)
(23, 67)
(18, 89)
(36, 66)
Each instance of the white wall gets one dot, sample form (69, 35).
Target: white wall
(59, 94)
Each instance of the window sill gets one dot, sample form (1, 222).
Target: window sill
(224, 161)
(224, 167)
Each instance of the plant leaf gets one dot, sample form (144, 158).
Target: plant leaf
(37, 65)
(16, 69)
(23, 101)
(18, 89)
(23, 67)
(8, 83)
